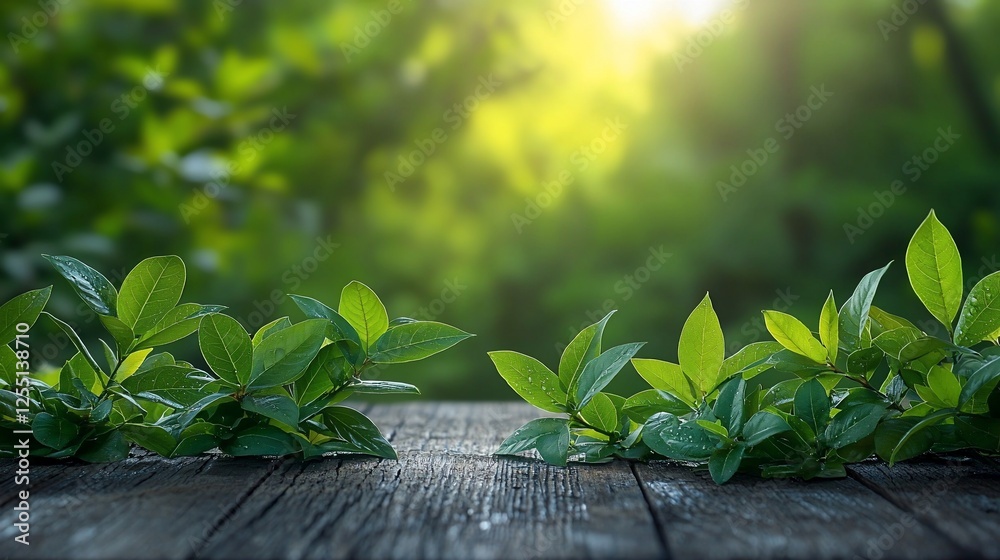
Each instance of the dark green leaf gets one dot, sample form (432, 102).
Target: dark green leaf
(269, 329)
(75, 339)
(763, 425)
(373, 387)
(724, 463)
(106, 448)
(548, 436)
(415, 341)
(853, 424)
(667, 436)
(226, 347)
(53, 431)
(283, 357)
(600, 371)
(854, 313)
(153, 438)
(641, 406)
(729, 407)
(178, 323)
(93, 288)
(23, 309)
(355, 428)
(601, 413)
(174, 386)
(262, 439)
(329, 371)
(278, 407)
(812, 405)
(984, 379)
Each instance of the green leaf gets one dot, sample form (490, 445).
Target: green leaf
(178, 323)
(355, 428)
(584, 347)
(196, 439)
(548, 436)
(151, 290)
(530, 379)
(891, 431)
(979, 432)
(640, 406)
(153, 438)
(283, 357)
(750, 361)
(812, 405)
(75, 339)
(227, 348)
(945, 385)
(203, 404)
(882, 321)
(922, 424)
(701, 348)
(829, 328)
(329, 371)
(667, 377)
(601, 413)
(174, 386)
(935, 270)
(600, 371)
(373, 387)
(763, 425)
(93, 288)
(893, 341)
(729, 407)
(24, 308)
(53, 431)
(724, 463)
(8, 365)
(854, 424)
(854, 313)
(364, 311)
(986, 376)
(277, 407)
(863, 362)
(687, 441)
(106, 448)
(980, 316)
(260, 440)
(339, 329)
(415, 341)
(793, 335)
(123, 335)
(269, 329)
(921, 347)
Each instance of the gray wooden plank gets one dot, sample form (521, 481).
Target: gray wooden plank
(754, 518)
(446, 497)
(145, 507)
(958, 496)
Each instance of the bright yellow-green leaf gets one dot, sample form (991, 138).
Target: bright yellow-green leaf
(829, 328)
(935, 269)
(793, 335)
(701, 348)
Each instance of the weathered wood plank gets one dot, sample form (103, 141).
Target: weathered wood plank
(138, 508)
(752, 518)
(958, 496)
(446, 497)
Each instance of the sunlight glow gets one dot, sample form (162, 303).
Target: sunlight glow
(647, 15)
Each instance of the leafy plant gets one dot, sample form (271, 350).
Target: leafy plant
(864, 383)
(276, 393)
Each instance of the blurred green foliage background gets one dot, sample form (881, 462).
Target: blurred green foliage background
(510, 167)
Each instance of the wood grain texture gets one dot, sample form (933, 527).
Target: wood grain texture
(754, 518)
(448, 497)
(958, 496)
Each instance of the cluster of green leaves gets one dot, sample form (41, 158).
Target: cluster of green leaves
(865, 383)
(275, 393)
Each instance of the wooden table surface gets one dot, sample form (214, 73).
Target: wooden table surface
(448, 497)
